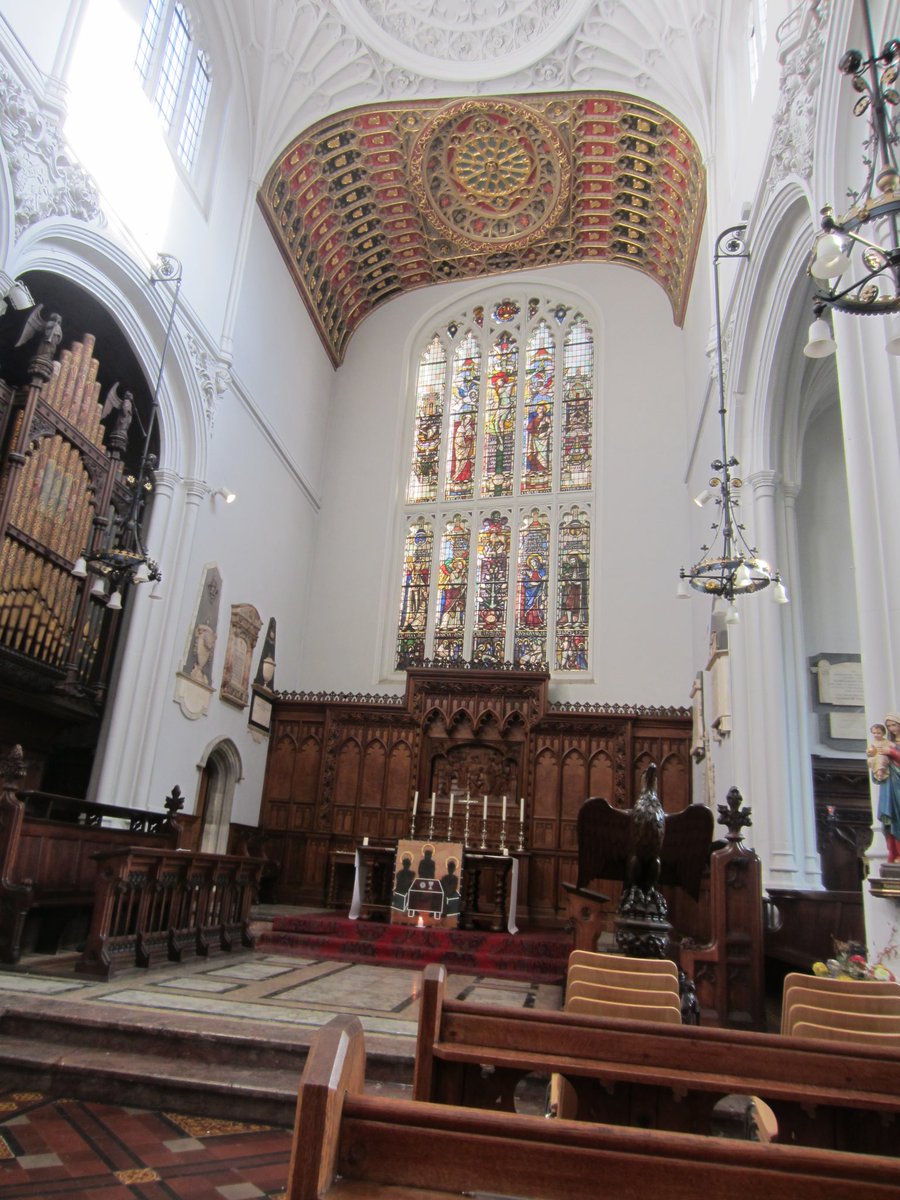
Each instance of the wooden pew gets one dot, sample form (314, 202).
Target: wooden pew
(350, 1146)
(47, 849)
(657, 1076)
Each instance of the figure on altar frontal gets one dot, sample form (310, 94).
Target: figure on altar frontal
(402, 883)
(427, 864)
(450, 887)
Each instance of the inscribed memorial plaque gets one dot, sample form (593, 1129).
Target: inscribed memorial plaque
(840, 682)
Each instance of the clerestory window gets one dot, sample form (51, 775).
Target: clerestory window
(497, 532)
(175, 72)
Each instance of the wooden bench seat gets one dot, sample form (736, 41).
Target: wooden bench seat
(655, 1075)
(351, 1146)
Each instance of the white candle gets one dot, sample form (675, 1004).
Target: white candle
(450, 813)
(432, 803)
(522, 810)
(485, 808)
(415, 803)
(504, 811)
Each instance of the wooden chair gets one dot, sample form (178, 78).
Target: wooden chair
(824, 983)
(642, 981)
(623, 962)
(836, 1018)
(879, 1004)
(579, 989)
(833, 1033)
(668, 1013)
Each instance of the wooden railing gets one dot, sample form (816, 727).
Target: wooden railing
(156, 905)
(48, 849)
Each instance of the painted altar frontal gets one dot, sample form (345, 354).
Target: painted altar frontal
(427, 883)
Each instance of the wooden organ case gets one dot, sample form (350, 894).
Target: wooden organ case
(62, 485)
(344, 767)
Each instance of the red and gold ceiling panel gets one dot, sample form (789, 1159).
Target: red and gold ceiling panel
(379, 200)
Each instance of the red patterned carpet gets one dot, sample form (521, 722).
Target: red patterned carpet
(65, 1149)
(534, 957)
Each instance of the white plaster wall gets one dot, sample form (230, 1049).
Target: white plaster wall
(641, 634)
(38, 27)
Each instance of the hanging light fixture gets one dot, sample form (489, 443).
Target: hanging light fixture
(123, 559)
(729, 566)
(872, 225)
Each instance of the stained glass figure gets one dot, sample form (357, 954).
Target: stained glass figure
(452, 592)
(577, 405)
(430, 385)
(573, 591)
(500, 418)
(505, 311)
(532, 581)
(537, 465)
(417, 553)
(465, 389)
(489, 645)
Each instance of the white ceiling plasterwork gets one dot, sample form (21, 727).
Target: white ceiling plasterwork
(463, 40)
(306, 59)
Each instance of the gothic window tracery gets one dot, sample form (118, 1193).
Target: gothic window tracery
(496, 556)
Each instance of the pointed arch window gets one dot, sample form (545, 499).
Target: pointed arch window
(496, 555)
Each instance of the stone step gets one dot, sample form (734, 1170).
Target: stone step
(226, 1072)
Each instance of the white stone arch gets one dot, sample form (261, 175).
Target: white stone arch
(118, 281)
(219, 770)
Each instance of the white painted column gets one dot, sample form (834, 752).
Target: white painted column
(869, 382)
(797, 680)
(145, 679)
(768, 721)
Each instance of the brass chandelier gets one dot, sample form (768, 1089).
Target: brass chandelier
(864, 244)
(729, 565)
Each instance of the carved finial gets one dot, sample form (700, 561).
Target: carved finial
(733, 816)
(174, 803)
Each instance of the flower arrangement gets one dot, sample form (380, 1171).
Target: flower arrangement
(849, 962)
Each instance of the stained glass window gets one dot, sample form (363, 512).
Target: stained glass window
(500, 418)
(537, 465)
(489, 644)
(417, 552)
(573, 591)
(464, 397)
(452, 592)
(430, 385)
(495, 555)
(577, 407)
(532, 582)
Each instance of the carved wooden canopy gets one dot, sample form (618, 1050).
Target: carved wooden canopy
(378, 200)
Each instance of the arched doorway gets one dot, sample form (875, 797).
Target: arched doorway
(220, 770)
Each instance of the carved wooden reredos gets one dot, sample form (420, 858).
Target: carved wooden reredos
(343, 767)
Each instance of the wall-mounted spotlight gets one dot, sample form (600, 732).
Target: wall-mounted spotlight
(14, 292)
(228, 496)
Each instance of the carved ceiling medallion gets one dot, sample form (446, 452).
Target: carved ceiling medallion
(491, 173)
(370, 203)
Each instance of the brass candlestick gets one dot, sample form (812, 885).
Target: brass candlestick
(503, 838)
(483, 845)
(521, 845)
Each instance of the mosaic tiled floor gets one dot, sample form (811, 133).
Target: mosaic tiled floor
(270, 989)
(80, 1151)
